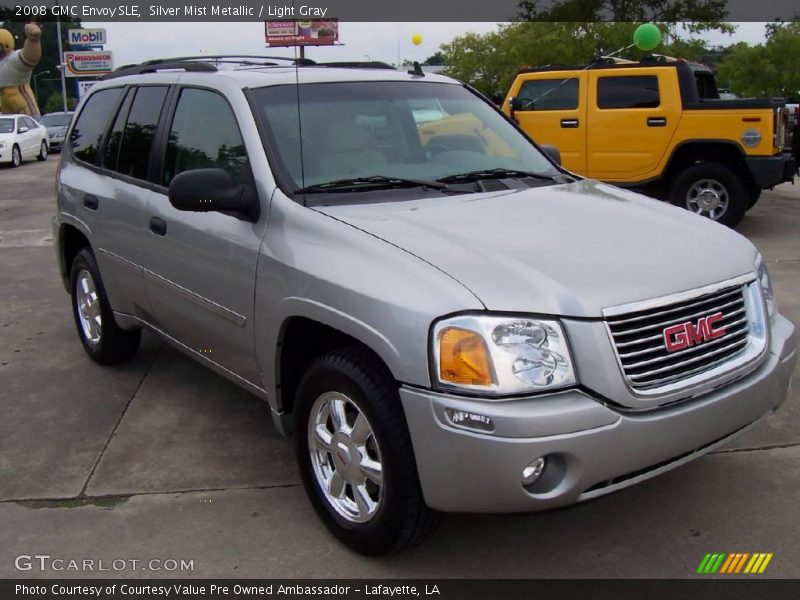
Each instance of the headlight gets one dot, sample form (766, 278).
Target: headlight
(501, 355)
(766, 286)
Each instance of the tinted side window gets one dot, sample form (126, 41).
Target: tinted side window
(115, 136)
(140, 129)
(204, 134)
(29, 123)
(92, 123)
(549, 94)
(639, 91)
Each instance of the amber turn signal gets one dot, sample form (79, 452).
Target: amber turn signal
(463, 357)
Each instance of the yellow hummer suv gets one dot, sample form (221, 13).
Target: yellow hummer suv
(658, 125)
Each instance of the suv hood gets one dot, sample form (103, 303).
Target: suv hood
(568, 250)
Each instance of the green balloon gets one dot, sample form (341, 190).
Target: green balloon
(646, 37)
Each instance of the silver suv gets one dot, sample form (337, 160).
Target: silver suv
(445, 318)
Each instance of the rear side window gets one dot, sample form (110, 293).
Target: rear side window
(115, 136)
(87, 134)
(140, 129)
(639, 91)
(204, 134)
(549, 94)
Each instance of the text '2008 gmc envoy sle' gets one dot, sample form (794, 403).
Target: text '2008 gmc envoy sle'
(444, 318)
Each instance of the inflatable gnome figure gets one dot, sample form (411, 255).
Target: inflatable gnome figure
(16, 68)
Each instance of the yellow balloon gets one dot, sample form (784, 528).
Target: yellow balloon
(416, 39)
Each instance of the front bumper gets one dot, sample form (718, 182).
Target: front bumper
(592, 449)
(769, 171)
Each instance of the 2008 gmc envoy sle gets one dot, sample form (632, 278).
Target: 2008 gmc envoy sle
(444, 318)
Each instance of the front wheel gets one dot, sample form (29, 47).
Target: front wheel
(355, 456)
(103, 340)
(16, 157)
(713, 191)
(42, 151)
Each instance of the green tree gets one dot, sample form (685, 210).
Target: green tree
(769, 69)
(436, 59)
(49, 83)
(672, 11)
(53, 103)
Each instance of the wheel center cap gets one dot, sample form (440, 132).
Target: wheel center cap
(342, 455)
(708, 200)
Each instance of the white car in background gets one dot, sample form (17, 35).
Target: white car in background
(57, 124)
(22, 138)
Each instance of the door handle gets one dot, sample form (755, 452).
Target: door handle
(656, 121)
(91, 202)
(570, 123)
(158, 226)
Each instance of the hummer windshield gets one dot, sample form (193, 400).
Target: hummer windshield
(361, 136)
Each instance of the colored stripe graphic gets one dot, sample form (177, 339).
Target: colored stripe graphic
(734, 563)
(728, 564)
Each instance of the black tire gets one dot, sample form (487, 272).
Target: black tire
(401, 518)
(16, 157)
(723, 177)
(42, 152)
(753, 194)
(110, 345)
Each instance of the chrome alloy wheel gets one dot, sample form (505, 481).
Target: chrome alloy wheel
(708, 197)
(345, 457)
(88, 308)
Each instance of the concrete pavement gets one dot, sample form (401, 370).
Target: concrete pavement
(161, 459)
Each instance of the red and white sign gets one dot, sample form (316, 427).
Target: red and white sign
(686, 335)
(87, 64)
(301, 33)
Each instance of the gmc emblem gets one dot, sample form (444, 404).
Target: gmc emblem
(685, 335)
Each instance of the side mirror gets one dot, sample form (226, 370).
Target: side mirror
(23, 129)
(211, 190)
(552, 152)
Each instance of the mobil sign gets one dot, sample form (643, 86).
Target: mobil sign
(87, 37)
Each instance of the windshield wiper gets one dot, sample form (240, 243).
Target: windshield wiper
(498, 173)
(371, 182)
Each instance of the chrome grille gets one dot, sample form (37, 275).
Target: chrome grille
(639, 338)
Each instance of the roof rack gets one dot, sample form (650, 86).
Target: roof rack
(372, 64)
(209, 63)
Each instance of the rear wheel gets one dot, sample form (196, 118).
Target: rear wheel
(42, 151)
(713, 191)
(16, 156)
(103, 340)
(355, 454)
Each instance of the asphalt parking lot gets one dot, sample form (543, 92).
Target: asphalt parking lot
(161, 459)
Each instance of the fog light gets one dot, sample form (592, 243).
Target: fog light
(533, 471)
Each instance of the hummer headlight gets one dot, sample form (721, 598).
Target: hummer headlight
(501, 355)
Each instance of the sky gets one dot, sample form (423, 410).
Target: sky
(135, 42)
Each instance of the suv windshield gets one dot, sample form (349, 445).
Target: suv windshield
(55, 120)
(410, 130)
(6, 125)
